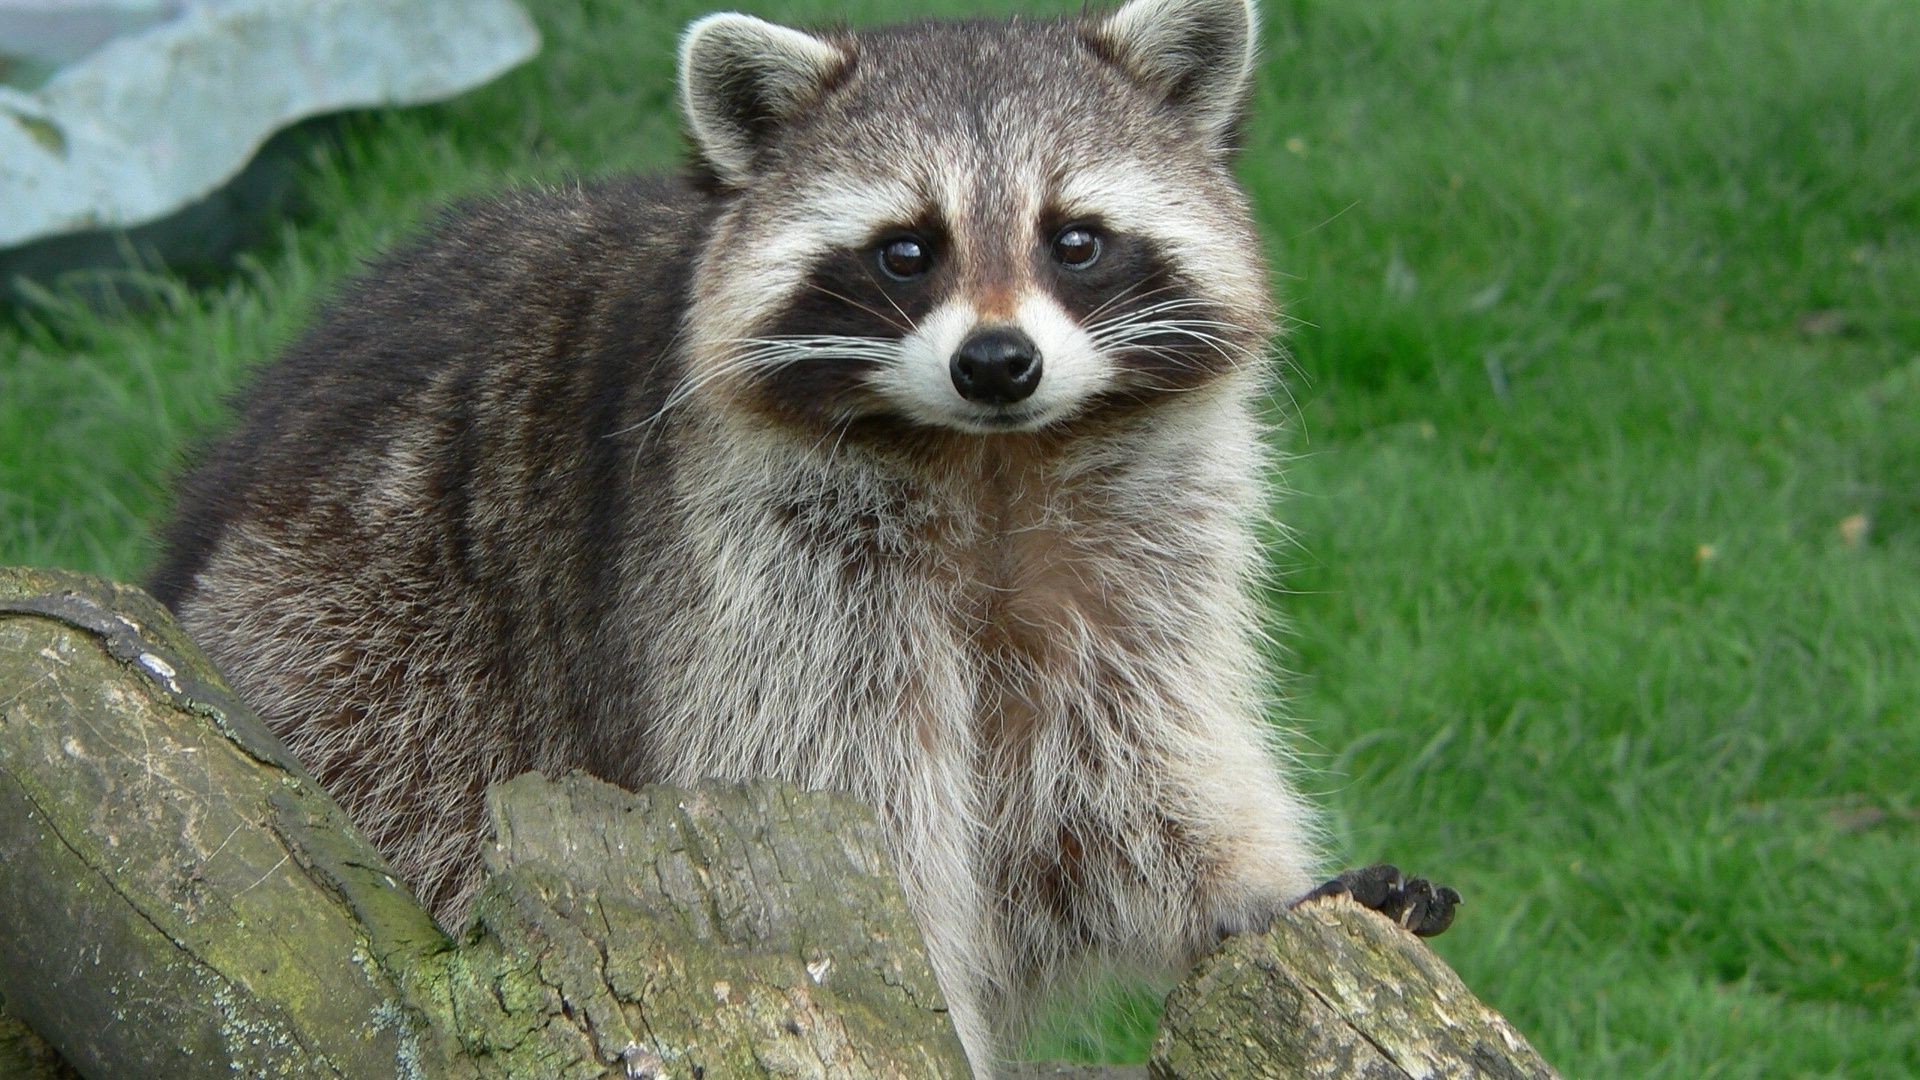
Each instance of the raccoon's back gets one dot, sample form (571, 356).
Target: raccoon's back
(491, 363)
(405, 555)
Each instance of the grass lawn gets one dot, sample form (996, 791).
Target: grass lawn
(1605, 603)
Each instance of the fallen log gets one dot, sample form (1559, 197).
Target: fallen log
(1335, 990)
(183, 899)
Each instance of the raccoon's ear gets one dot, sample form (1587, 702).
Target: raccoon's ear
(1198, 54)
(740, 78)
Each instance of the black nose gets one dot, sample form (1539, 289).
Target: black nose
(996, 366)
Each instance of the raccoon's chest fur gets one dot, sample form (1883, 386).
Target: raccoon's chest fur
(1021, 660)
(974, 611)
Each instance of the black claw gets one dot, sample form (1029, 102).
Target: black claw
(1409, 903)
(1376, 886)
(1415, 903)
(1440, 913)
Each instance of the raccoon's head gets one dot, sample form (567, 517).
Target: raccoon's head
(976, 227)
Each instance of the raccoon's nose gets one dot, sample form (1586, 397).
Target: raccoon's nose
(996, 366)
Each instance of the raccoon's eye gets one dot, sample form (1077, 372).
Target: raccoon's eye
(1076, 247)
(904, 258)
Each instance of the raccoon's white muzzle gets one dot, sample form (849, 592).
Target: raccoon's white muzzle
(926, 383)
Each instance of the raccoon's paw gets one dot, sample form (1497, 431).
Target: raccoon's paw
(1415, 903)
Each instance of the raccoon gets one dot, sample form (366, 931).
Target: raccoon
(909, 442)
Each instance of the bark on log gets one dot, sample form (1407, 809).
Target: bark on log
(750, 930)
(182, 894)
(1335, 990)
(185, 899)
(182, 899)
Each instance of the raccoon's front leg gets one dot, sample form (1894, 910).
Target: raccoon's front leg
(1259, 861)
(1253, 838)
(1415, 903)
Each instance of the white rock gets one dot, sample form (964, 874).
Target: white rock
(143, 124)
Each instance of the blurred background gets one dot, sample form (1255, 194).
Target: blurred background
(1603, 396)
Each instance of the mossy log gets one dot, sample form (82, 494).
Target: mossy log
(183, 899)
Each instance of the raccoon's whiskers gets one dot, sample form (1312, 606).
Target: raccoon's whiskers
(1124, 294)
(1135, 331)
(1123, 318)
(760, 355)
(906, 328)
(912, 326)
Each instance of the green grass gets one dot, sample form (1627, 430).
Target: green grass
(1610, 319)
